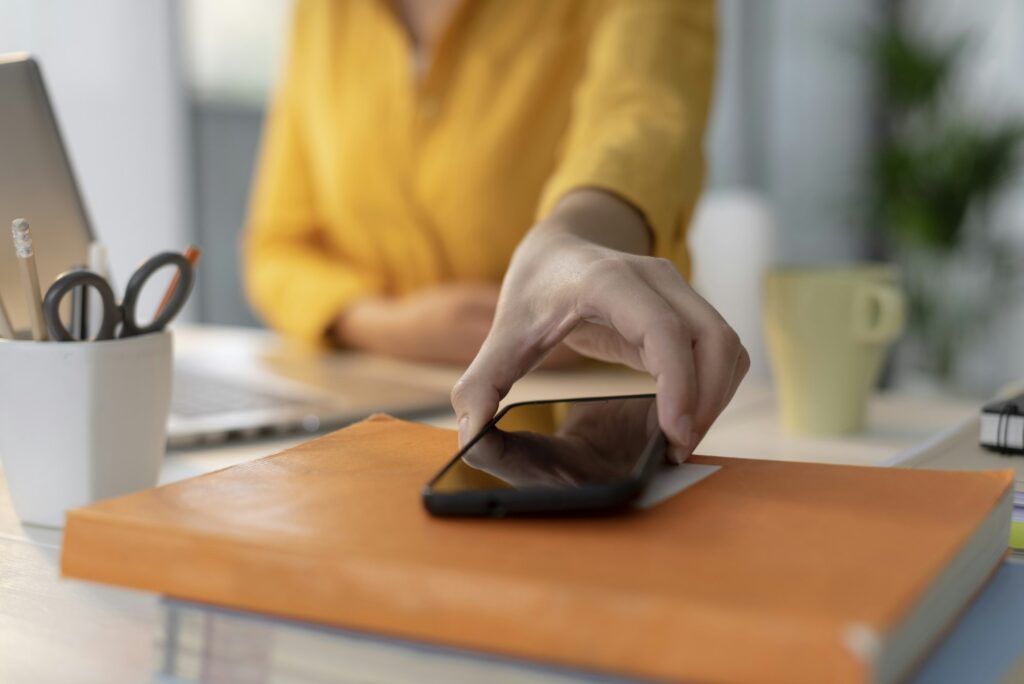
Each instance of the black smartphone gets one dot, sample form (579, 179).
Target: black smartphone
(562, 456)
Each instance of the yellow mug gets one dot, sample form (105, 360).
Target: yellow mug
(827, 329)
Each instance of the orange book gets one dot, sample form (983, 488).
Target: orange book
(765, 571)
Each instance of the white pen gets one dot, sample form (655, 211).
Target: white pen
(29, 277)
(98, 260)
(98, 264)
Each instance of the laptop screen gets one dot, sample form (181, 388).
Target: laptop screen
(36, 183)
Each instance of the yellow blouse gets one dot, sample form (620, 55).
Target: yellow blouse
(372, 180)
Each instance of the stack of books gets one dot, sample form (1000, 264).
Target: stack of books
(1002, 431)
(765, 571)
(972, 445)
(1017, 526)
(200, 643)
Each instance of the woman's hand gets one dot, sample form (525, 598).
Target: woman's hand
(442, 324)
(577, 277)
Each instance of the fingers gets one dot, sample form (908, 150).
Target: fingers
(716, 355)
(721, 361)
(476, 395)
(740, 372)
(622, 300)
(720, 366)
(654, 321)
(503, 358)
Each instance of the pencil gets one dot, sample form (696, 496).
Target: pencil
(29, 277)
(6, 329)
(192, 256)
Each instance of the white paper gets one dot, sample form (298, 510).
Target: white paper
(671, 480)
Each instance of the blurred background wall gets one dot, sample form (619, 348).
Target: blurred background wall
(162, 104)
(232, 51)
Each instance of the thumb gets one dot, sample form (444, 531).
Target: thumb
(501, 361)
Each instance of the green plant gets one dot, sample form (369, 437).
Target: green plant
(936, 173)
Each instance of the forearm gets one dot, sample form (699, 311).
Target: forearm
(599, 217)
(298, 289)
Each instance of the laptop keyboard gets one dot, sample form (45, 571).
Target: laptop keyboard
(196, 394)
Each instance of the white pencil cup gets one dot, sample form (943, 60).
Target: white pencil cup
(81, 421)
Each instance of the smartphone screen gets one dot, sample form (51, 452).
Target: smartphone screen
(558, 445)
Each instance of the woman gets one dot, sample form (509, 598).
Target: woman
(419, 152)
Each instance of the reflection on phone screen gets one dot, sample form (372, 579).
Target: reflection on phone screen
(557, 445)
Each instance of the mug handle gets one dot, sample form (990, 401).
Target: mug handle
(878, 313)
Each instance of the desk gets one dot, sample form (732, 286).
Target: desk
(66, 631)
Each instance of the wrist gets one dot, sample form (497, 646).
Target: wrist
(599, 217)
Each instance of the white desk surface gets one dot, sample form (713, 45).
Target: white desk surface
(60, 631)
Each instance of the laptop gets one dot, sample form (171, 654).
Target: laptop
(226, 385)
(36, 183)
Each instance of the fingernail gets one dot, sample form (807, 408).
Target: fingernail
(463, 430)
(676, 455)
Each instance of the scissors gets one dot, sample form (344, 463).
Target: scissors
(123, 313)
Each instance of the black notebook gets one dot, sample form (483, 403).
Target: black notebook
(1002, 425)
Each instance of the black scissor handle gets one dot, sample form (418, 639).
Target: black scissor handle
(65, 283)
(186, 278)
